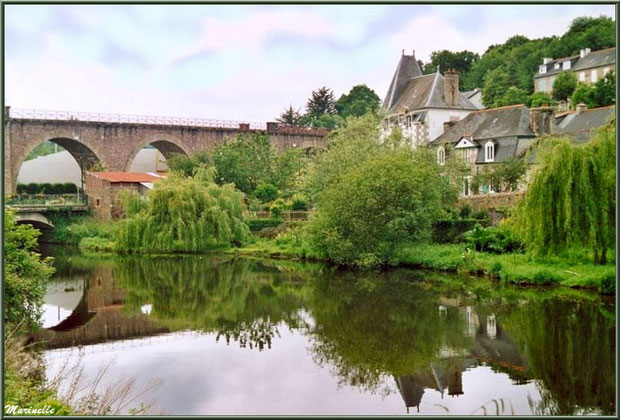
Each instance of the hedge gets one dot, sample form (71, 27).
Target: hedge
(47, 188)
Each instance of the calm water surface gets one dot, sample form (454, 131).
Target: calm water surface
(223, 335)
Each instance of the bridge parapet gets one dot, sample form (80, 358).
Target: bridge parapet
(36, 114)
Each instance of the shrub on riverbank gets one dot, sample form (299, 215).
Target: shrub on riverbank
(374, 207)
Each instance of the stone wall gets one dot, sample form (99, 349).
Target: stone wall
(495, 203)
(492, 201)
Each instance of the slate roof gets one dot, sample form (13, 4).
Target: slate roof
(513, 120)
(593, 59)
(407, 68)
(579, 127)
(426, 92)
(596, 59)
(127, 176)
(507, 126)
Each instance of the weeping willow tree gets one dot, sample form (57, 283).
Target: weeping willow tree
(571, 197)
(184, 214)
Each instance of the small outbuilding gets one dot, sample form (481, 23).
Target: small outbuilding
(103, 189)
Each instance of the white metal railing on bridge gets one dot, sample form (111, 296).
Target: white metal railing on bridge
(36, 114)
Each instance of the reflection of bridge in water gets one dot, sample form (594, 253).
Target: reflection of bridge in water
(98, 317)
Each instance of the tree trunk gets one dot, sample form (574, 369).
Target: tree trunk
(603, 256)
(596, 260)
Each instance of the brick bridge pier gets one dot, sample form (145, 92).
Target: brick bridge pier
(113, 140)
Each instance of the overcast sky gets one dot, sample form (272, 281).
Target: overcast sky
(238, 62)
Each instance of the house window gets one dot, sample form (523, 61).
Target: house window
(543, 69)
(557, 66)
(582, 76)
(409, 121)
(605, 71)
(489, 152)
(97, 202)
(594, 76)
(467, 185)
(542, 85)
(441, 156)
(566, 65)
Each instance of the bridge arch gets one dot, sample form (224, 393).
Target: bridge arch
(166, 147)
(86, 156)
(38, 220)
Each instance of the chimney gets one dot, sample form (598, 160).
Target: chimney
(584, 52)
(244, 127)
(272, 127)
(580, 108)
(542, 120)
(547, 60)
(451, 87)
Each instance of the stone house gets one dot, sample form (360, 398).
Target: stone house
(589, 66)
(493, 136)
(103, 189)
(423, 105)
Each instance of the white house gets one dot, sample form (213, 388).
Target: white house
(424, 106)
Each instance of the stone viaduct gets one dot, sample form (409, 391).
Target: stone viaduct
(113, 141)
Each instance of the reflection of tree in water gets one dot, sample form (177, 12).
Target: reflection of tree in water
(570, 348)
(241, 300)
(370, 327)
(258, 333)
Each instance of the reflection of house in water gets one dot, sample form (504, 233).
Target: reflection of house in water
(98, 317)
(491, 345)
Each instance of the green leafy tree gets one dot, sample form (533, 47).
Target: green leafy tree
(379, 204)
(346, 148)
(186, 165)
(290, 116)
(538, 99)
(460, 61)
(244, 161)
(584, 94)
(596, 33)
(513, 96)
(25, 273)
(571, 197)
(185, 214)
(496, 84)
(604, 92)
(564, 85)
(359, 101)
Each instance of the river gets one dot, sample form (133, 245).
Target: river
(216, 334)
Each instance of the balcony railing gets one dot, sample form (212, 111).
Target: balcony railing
(35, 114)
(47, 200)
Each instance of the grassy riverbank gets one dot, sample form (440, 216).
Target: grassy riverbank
(573, 270)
